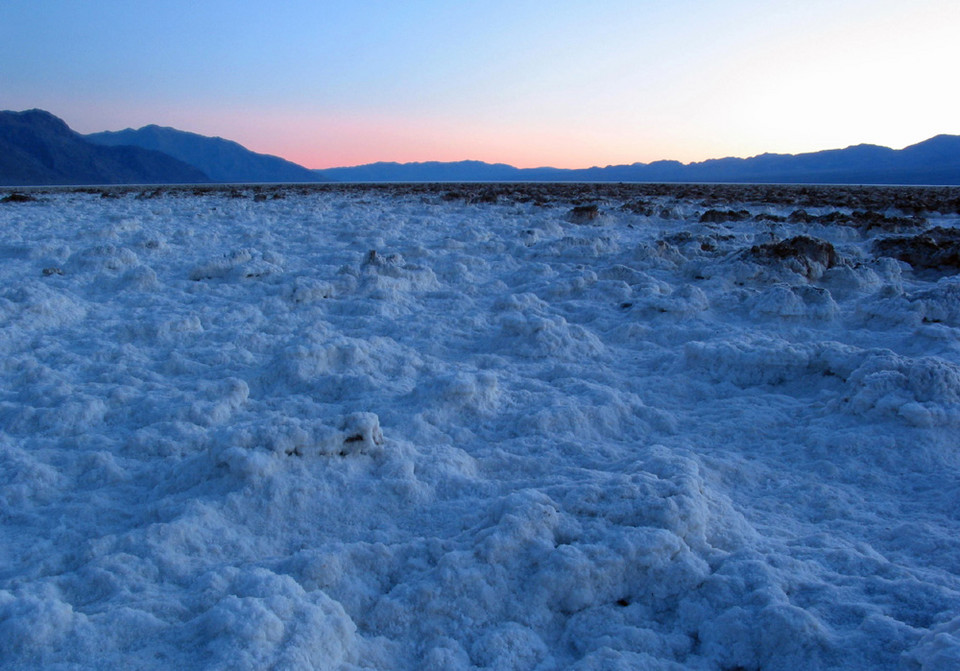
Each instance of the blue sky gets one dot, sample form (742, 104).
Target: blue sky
(569, 84)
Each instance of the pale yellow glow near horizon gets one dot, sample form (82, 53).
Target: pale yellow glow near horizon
(878, 79)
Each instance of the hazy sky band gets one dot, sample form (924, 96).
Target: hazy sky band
(527, 83)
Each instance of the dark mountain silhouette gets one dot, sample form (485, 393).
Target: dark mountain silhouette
(430, 171)
(223, 160)
(37, 148)
(933, 161)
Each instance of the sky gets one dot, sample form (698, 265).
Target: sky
(529, 83)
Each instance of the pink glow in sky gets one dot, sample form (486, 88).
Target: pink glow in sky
(566, 84)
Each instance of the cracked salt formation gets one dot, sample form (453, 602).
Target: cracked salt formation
(420, 427)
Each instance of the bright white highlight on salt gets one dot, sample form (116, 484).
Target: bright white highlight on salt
(364, 429)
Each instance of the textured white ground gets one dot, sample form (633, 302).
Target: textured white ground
(231, 437)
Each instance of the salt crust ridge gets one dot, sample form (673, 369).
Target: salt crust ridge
(233, 436)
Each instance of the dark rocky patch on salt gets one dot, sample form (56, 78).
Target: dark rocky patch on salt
(937, 248)
(723, 216)
(584, 214)
(810, 256)
(17, 198)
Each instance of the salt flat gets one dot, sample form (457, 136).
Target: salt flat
(472, 426)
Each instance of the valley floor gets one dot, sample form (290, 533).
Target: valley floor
(480, 426)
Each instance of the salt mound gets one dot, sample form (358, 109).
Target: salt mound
(361, 432)
(687, 301)
(940, 303)
(801, 302)
(939, 649)
(238, 265)
(34, 306)
(923, 391)
(526, 327)
(254, 619)
(749, 360)
(354, 433)
(101, 258)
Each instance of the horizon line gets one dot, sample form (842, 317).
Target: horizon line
(608, 165)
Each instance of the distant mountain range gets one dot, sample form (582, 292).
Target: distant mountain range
(221, 160)
(37, 148)
(934, 161)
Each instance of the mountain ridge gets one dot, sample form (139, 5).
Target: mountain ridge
(38, 148)
(932, 161)
(223, 160)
